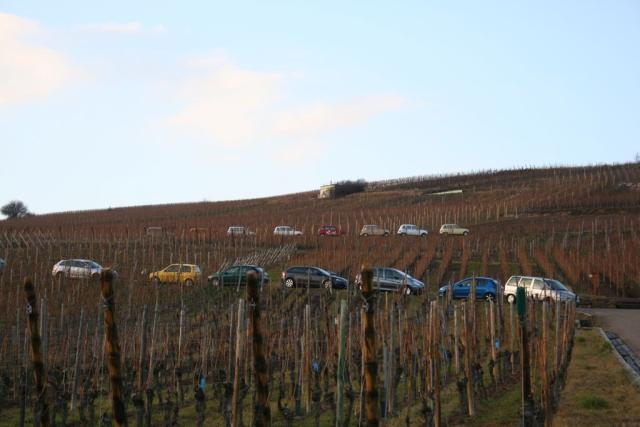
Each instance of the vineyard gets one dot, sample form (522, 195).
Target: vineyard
(209, 356)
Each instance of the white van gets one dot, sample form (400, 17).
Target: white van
(285, 230)
(539, 288)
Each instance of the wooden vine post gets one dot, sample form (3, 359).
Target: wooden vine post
(341, 363)
(527, 397)
(239, 357)
(41, 413)
(467, 360)
(369, 350)
(112, 348)
(262, 412)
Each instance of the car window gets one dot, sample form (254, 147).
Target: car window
(538, 285)
(513, 281)
(185, 269)
(526, 282)
(172, 268)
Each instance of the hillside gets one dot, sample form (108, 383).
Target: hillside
(580, 224)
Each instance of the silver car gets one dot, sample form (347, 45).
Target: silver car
(392, 279)
(285, 230)
(539, 288)
(454, 229)
(236, 230)
(411, 230)
(77, 269)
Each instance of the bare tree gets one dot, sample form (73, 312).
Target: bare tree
(15, 209)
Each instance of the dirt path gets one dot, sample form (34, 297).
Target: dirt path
(622, 322)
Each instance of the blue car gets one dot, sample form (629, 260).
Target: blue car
(486, 288)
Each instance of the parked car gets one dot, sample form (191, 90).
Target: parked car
(176, 273)
(453, 229)
(303, 277)
(237, 230)
(411, 230)
(237, 276)
(392, 279)
(77, 269)
(486, 288)
(373, 230)
(3, 264)
(285, 230)
(540, 288)
(330, 230)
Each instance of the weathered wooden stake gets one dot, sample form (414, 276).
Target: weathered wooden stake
(527, 397)
(341, 364)
(369, 350)
(112, 348)
(235, 416)
(467, 361)
(41, 412)
(262, 412)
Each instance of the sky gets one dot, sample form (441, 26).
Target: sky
(121, 103)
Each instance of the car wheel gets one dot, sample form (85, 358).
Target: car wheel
(215, 282)
(365, 234)
(289, 283)
(327, 284)
(407, 291)
(188, 282)
(423, 235)
(95, 277)
(466, 233)
(385, 234)
(511, 299)
(155, 281)
(489, 297)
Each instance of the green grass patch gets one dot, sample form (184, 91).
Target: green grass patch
(592, 402)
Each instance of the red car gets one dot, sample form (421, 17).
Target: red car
(330, 230)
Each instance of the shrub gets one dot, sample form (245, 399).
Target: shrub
(344, 188)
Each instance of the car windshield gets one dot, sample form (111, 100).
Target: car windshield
(94, 264)
(555, 285)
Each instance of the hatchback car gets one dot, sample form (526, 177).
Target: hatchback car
(303, 277)
(77, 269)
(330, 230)
(411, 230)
(373, 230)
(237, 276)
(285, 230)
(454, 229)
(237, 230)
(176, 273)
(540, 288)
(392, 279)
(486, 288)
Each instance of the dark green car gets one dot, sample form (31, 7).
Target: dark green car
(237, 276)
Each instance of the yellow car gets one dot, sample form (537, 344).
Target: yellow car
(176, 273)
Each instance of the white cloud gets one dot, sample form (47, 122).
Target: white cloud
(225, 103)
(28, 70)
(229, 105)
(123, 28)
(320, 118)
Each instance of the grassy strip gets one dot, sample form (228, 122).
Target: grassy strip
(598, 391)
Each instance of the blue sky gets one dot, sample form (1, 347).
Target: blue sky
(128, 103)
